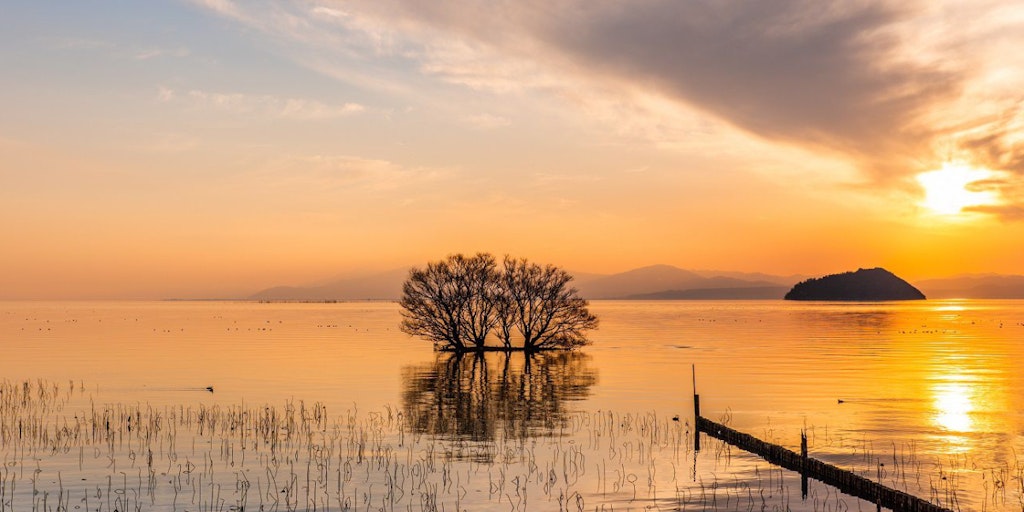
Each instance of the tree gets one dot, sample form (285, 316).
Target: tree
(458, 302)
(450, 301)
(546, 311)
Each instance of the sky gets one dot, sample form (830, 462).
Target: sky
(212, 148)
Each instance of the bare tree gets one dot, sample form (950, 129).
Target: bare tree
(506, 313)
(458, 302)
(547, 312)
(450, 301)
(478, 277)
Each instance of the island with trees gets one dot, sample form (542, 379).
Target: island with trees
(874, 284)
(471, 304)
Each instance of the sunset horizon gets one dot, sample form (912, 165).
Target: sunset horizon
(524, 255)
(383, 277)
(212, 148)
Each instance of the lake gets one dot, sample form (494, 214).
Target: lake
(105, 406)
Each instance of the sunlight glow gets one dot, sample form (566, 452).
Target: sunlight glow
(948, 192)
(953, 406)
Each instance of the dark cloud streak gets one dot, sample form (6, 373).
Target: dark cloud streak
(834, 75)
(805, 72)
(992, 144)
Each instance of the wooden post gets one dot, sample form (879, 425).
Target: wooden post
(803, 463)
(696, 422)
(696, 410)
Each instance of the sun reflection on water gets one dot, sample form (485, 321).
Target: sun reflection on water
(954, 403)
(951, 306)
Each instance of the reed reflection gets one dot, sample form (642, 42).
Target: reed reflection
(480, 397)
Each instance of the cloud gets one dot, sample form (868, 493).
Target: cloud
(223, 7)
(120, 51)
(165, 95)
(153, 53)
(1009, 187)
(82, 44)
(889, 86)
(259, 104)
(997, 143)
(813, 73)
(331, 179)
(345, 170)
(894, 87)
(829, 74)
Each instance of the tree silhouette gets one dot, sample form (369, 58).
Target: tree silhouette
(456, 303)
(545, 310)
(449, 302)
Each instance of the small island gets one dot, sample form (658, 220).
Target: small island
(874, 284)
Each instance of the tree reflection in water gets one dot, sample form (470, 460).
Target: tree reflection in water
(483, 397)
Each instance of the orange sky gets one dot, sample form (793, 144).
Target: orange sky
(212, 148)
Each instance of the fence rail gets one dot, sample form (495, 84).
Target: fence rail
(846, 481)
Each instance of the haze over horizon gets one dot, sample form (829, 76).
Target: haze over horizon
(211, 148)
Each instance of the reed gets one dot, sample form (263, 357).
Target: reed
(62, 449)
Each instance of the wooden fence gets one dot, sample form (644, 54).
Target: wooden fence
(846, 481)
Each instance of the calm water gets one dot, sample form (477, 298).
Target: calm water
(337, 409)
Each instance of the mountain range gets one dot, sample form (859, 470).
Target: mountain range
(652, 282)
(655, 282)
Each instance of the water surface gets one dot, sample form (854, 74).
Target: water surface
(922, 395)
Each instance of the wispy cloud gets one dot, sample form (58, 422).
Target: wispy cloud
(82, 44)
(259, 104)
(1009, 186)
(223, 7)
(329, 179)
(153, 53)
(120, 50)
(998, 142)
(346, 170)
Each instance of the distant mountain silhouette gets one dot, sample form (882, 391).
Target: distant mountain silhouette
(875, 284)
(668, 282)
(654, 282)
(786, 281)
(769, 292)
(649, 279)
(974, 286)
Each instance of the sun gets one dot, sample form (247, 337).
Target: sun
(947, 192)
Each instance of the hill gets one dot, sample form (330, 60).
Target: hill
(668, 282)
(786, 281)
(745, 293)
(876, 284)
